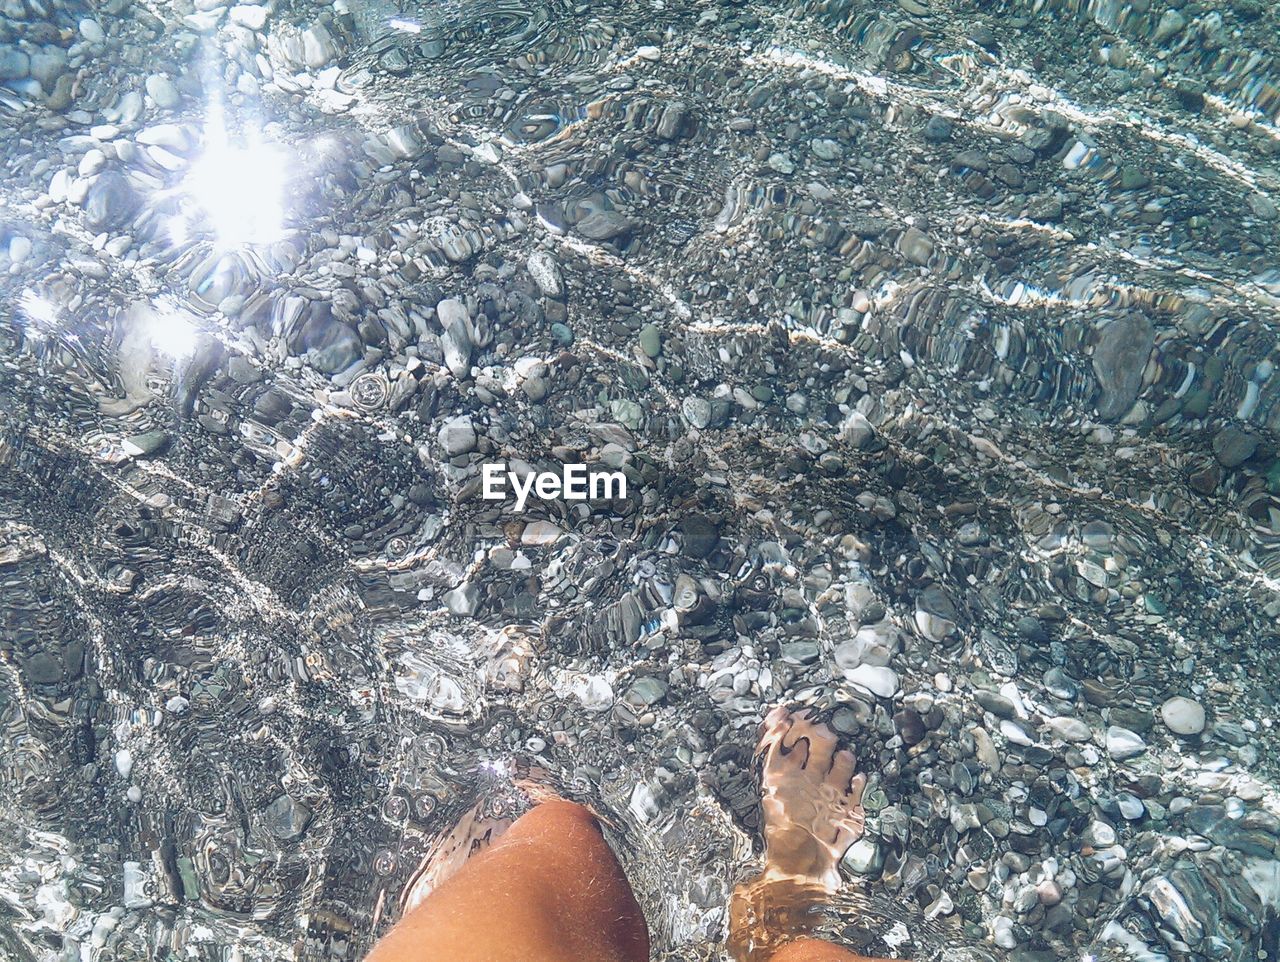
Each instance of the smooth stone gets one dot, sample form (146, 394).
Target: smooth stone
(915, 246)
(1234, 446)
(287, 818)
(142, 445)
(1123, 743)
(651, 340)
(880, 681)
(1070, 729)
(111, 202)
(19, 248)
(602, 225)
(1119, 359)
(540, 533)
(161, 90)
(92, 31)
(462, 600)
(1099, 835)
(14, 64)
(43, 669)
(250, 15)
(458, 436)
(1183, 716)
(697, 411)
(863, 857)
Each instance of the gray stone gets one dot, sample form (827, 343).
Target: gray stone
(458, 436)
(286, 818)
(463, 600)
(1233, 446)
(697, 411)
(651, 340)
(602, 225)
(110, 203)
(1119, 359)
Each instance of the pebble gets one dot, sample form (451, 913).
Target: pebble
(162, 91)
(878, 680)
(1183, 716)
(91, 31)
(545, 272)
(1123, 744)
(458, 436)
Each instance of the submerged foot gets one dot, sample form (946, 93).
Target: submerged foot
(812, 806)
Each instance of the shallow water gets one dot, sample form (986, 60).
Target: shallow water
(937, 344)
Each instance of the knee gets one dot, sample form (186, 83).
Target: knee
(557, 817)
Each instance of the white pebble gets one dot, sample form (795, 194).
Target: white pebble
(19, 248)
(134, 794)
(1183, 715)
(124, 762)
(91, 31)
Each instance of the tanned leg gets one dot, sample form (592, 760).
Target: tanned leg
(548, 890)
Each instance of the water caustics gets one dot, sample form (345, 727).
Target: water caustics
(936, 342)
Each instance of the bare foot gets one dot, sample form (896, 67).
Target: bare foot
(812, 805)
(811, 799)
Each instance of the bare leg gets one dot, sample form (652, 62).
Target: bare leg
(548, 890)
(812, 806)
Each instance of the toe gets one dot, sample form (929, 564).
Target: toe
(842, 766)
(822, 749)
(857, 786)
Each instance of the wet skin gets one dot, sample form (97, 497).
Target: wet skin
(551, 890)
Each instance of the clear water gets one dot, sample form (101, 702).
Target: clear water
(933, 337)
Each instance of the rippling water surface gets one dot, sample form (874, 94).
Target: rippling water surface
(937, 342)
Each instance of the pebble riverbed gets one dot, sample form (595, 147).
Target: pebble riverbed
(937, 342)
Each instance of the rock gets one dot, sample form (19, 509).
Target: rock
(146, 444)
(111, 202)
(1122, 743)
(456, 341)
(864, 857)
(14, 64)
(1119, 358)
(286, 818)
(651, 343)
(545, 272)
(1233, 446)
(1070, 729)
(463, 600)
(318, 47)
(43, 669)
(47, 66)
(162, 91)
(915, 246)
(697, 411)
(250, 15)
(698, 536)
(92, 31)
(538, 533)
(602, 225)
(458, 436)
(781, 162)
(882, 682)
(1170, 25)
(1183, 716)
(937, 129)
